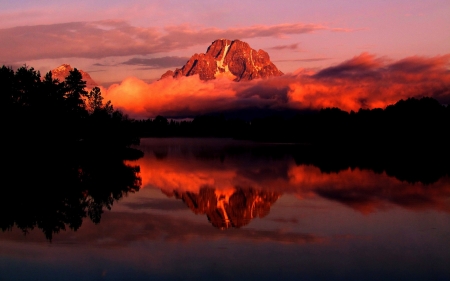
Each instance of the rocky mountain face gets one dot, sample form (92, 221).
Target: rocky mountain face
(62, 72)
(231, 58)
(225, 210)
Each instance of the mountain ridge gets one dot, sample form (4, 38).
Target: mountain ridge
(62, 71)
(234, 59)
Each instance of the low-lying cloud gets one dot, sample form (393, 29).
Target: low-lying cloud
(365, 81)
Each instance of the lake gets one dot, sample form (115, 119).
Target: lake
(222, 209)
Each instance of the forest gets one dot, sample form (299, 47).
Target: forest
(63, 150)
(52, 112)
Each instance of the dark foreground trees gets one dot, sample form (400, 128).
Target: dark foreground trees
(48, 110)
(63, 152)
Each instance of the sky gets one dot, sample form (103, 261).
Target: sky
(115, 41)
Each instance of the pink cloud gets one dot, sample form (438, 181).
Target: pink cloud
(118, 38)
(286, 47)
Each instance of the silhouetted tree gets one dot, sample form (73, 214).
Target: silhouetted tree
(26, 86)
(52, 91)
(6, 87)
(75, 92)
(95, 100)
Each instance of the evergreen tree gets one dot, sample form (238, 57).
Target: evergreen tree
(6, 86)
(26, 86)
(75, 92)
(52, 90)
(95, 100)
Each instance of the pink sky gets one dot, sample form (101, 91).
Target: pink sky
(103, 37)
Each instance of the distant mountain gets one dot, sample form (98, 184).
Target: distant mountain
(62, 72)
(230, 58)
(225, 209)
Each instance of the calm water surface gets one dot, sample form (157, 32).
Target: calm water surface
(214, 209)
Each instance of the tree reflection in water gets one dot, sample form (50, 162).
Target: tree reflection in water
(52, 187)
(233, 182)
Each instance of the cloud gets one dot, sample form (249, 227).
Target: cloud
(285, 47)
(156, 63)
(304, 60)
(100, 64)
(365, 81)
(338, 29)
(187, 96)
(364, 65)
(100, 39)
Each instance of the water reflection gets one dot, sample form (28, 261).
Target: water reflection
(352, 223)
(230, 208)
(232, 182)
(54, 189)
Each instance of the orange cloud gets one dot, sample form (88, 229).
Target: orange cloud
(364, 81)
(171, 97)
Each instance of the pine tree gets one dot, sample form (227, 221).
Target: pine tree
(75, 92)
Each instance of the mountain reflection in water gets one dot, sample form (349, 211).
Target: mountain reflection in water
(286, 213)
(232, 182)
(228, 209)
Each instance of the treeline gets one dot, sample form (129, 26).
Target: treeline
(63, 111)
(63, 150)
(407, 122)
(408, 140)
(54, 112)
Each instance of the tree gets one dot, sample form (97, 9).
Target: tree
(95, 100)
(6, 85)
(52, 92)
(75, 91)
(109, 107)
(26, 86)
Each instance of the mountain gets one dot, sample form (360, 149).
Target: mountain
(62, 72)
(227, 209)
(228, 58)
